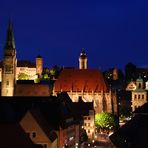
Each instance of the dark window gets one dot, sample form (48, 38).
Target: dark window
(142, 96)
(88, 118)
(139, 85)
(33, 134)
(138, 96)
(7, 83)
(135, 96)
(43, 145)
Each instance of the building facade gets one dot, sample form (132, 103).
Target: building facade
(139, 95)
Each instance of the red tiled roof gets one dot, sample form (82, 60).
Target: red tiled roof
(78, 80)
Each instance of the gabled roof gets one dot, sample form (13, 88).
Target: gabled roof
(134, 133)
(86, 80)
(13, 136)
(43, 124)
(142, 110)
(83, 108)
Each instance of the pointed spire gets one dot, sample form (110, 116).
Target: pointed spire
(10, 43)
(83, 52)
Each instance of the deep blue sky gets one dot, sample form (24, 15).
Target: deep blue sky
(112, 32)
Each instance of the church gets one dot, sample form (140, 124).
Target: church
(83, 83)
(11, 68)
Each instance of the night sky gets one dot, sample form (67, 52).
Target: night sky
(113, 33)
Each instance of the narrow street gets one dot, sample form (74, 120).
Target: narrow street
(102, 141)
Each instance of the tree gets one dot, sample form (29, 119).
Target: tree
(23, 76)
(45, 76)
(106, 120)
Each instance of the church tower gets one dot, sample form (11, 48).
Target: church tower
(9, 64)
(39, 65)
(83, 60)
(115, 74)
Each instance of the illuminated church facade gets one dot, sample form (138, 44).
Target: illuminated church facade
(87, 84)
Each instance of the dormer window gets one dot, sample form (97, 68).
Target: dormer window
(33, 134)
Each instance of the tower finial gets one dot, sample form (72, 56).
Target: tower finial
(10, 43)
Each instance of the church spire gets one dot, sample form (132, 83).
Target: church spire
(10, 43)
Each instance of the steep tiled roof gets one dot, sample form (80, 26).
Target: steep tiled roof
(78, 80)
(43, 124)
(142, 110)
(83, 108)
(133, 134)
(12, 135)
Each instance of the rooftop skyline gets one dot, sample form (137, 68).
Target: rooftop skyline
(112, 33)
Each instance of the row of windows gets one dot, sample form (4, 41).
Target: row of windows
(86, 118)
(139, 96)
(87, 124)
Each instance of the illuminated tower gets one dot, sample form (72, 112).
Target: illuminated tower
(9, 64)
(115, 74)
(139, 83)
(39, 65)
(83, 60)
